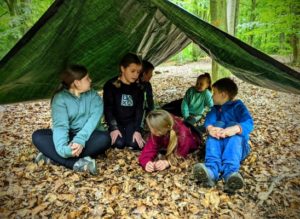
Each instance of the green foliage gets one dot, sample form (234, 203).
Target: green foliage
(271, 25)
(13, 27)
(268, 27)
(200, 9)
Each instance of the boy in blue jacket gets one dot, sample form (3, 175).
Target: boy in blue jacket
(228, 124)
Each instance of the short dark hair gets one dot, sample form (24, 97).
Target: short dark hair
(147, 66)
(228, 86)
(130, 58)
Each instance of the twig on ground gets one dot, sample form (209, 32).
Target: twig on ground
(265, 195)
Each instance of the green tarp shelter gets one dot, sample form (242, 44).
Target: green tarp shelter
(97, 33)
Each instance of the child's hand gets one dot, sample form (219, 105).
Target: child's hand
(161, 165)
(114, 135)
(138, 138)
(76, 149)
(230, 131)
(215, 132)
(149, 167)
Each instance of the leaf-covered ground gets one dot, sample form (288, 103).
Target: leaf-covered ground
(124, 190)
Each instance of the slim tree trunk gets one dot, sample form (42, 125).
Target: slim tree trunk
(12, 7)
(218, 19)
(252, 19)
(295, 43)
(231, 14)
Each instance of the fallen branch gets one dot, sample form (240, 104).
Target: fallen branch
(265, 195)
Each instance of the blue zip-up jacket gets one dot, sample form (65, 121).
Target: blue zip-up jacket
(232, 112)
(76, 115)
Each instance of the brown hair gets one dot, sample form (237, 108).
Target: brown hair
(147, 66)
(69, 75)
(205, 76)
(127, 59)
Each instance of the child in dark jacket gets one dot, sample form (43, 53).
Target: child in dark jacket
(168, 133)
(228, 124)
(123, 105)
(145, 85)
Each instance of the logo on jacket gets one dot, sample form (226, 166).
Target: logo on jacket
(126, 100)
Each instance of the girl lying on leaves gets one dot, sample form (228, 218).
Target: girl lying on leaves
(169, 135)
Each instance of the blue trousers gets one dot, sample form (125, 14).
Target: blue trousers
(223, 156)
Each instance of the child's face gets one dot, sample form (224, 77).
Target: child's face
(131, 73)
(201, 85)
(84, 84)
(219, 97)
(148, 75)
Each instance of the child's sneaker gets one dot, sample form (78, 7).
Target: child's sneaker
(86, 164)
(40, 157)
(202, 175)
(234, 182)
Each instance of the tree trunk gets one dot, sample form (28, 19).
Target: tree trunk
(252, 19)
(281, 40)
(218, 19)
(12, 7)
(295, 43)
(232, 15)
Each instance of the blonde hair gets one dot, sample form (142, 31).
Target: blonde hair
(163, 123)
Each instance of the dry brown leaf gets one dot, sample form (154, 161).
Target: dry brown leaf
(66, 197)
(39, 208)
(50, 197)
(140, 209)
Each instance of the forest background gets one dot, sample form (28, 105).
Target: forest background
(272, 26)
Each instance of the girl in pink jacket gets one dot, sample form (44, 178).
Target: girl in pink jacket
(170, 134)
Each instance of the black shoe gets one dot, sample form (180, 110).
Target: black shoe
(234, 182)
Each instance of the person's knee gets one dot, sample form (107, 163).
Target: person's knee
(236, 138)
(36, 137)
(232, 124)
(212, 141)
(133, 145)
(105, 139)
(119, 143)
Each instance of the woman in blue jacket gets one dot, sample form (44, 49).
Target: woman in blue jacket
(76, 110)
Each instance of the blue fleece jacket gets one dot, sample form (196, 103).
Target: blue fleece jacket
(232, 112)
(77, 115)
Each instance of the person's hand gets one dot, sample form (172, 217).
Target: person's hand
(138, 138)
(114, 135)
(76, 149)
(161, 165)
(230, 131)
(149, 167)
(215, 132)
(191, 119)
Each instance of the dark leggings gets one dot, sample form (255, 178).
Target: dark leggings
(127, 135)
(173, 107)
(98, 143)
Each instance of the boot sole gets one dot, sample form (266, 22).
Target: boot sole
(234, 183)
(202, 176)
